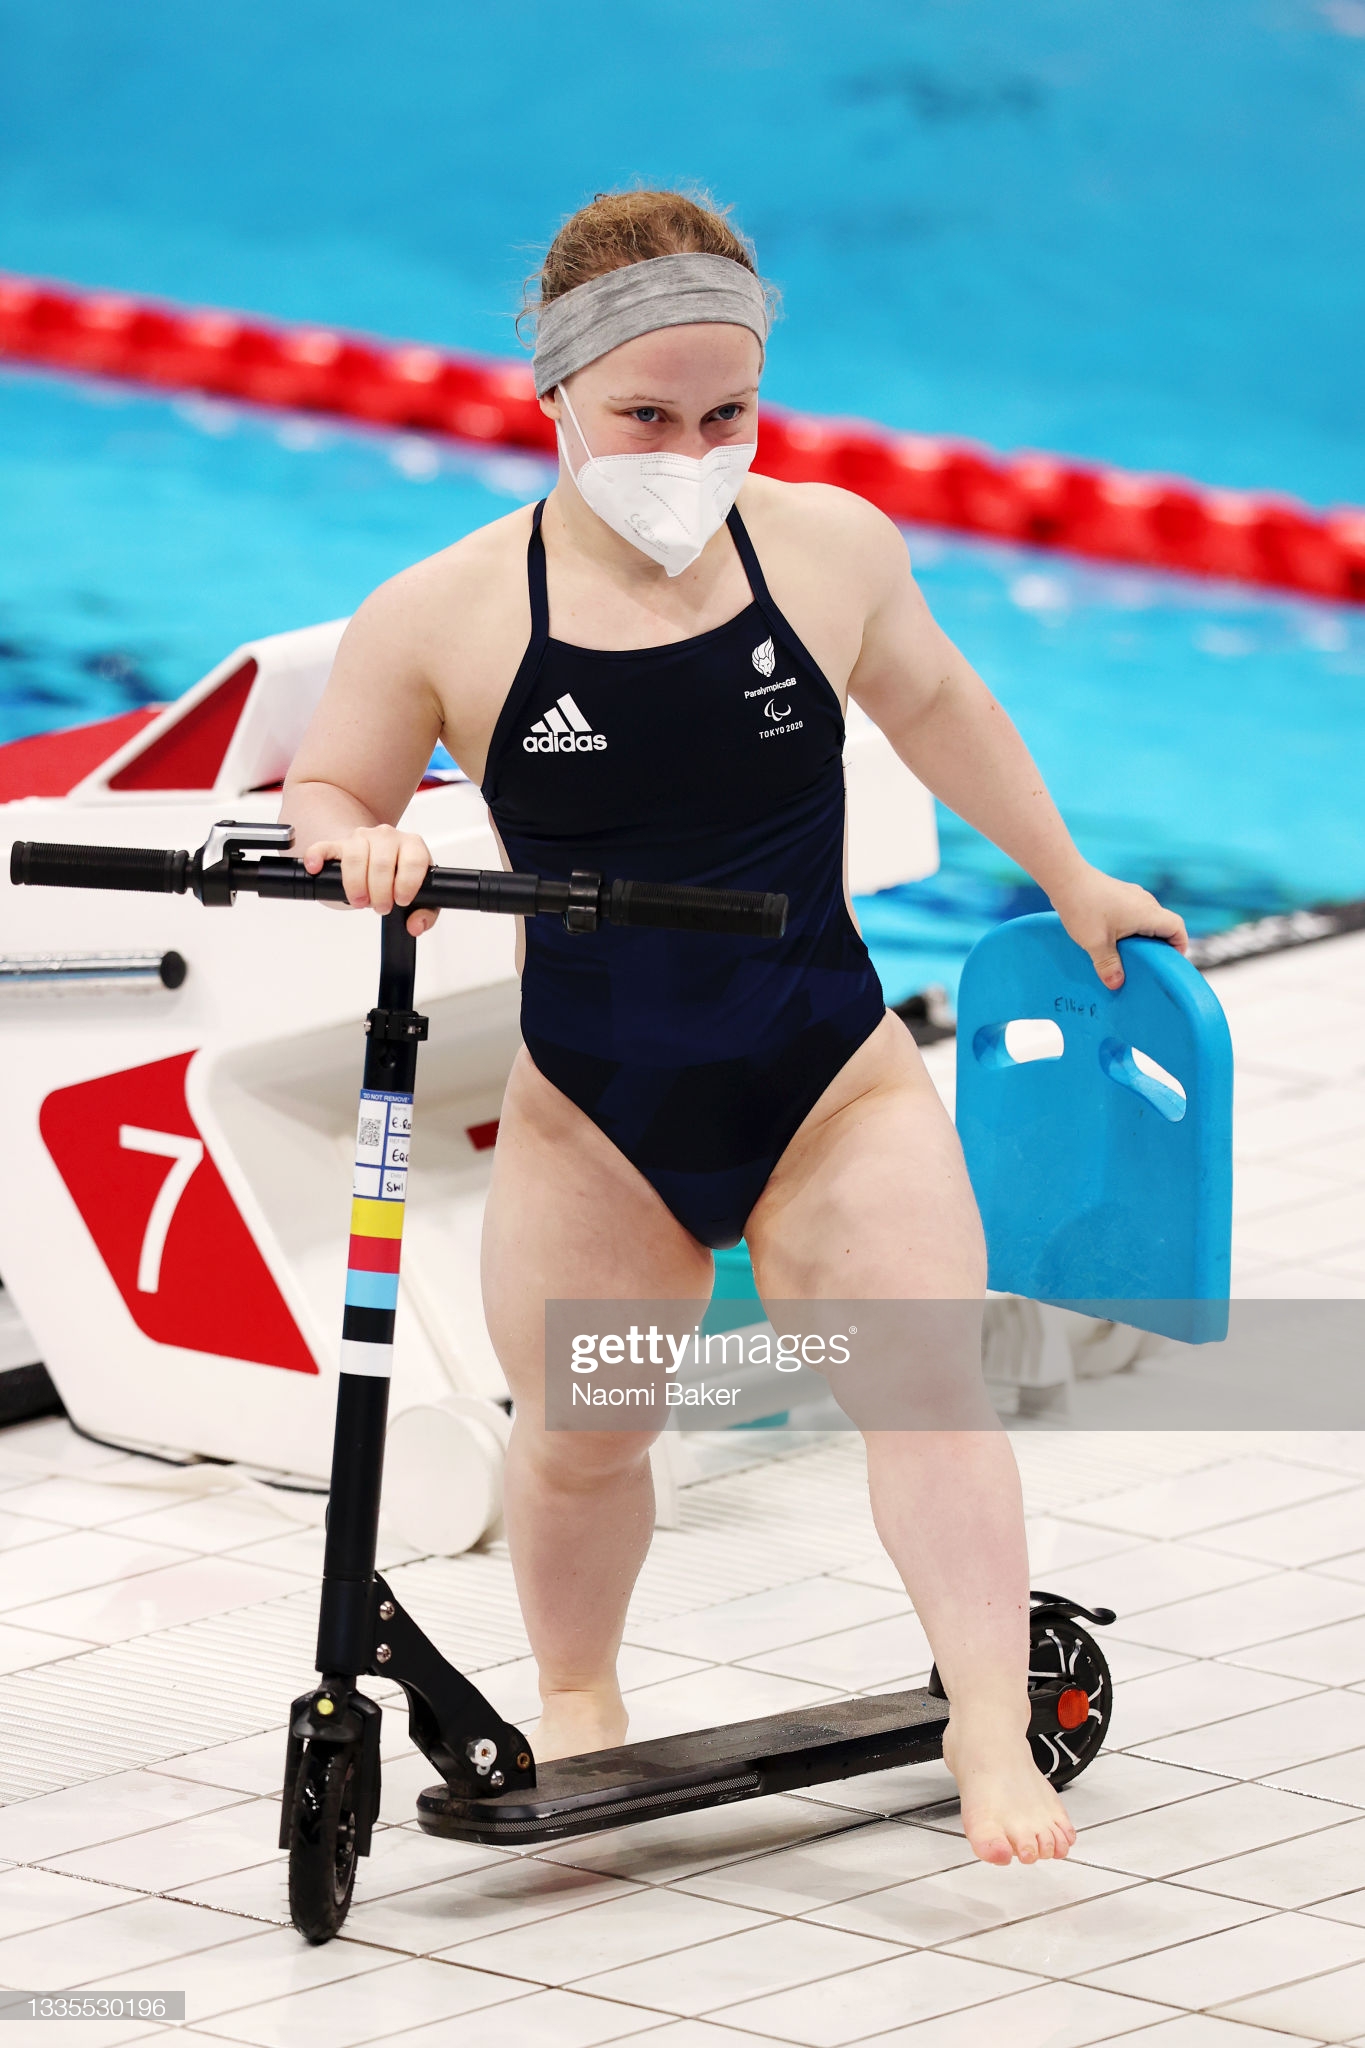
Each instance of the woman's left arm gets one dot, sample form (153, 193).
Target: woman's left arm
(952, 733)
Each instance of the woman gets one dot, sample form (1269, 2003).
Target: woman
(644, 685)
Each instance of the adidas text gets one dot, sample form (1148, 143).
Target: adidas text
(563, 730)
(564, 742)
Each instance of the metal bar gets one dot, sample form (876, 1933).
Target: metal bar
(91, 970)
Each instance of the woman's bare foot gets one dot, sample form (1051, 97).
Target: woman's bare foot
(572, 1723)
(1008, 1807)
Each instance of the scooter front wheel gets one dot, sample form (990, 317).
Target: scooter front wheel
(322, 1839)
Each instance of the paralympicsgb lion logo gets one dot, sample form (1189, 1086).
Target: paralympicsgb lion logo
(765, 658)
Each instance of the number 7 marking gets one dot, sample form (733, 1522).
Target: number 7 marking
(187, 1153)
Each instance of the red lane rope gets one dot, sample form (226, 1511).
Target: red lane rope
(1045, 500)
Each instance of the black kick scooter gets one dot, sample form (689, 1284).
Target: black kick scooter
(492, 1790)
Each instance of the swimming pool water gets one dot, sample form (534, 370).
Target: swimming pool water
(1125, 233)
(1201, 739)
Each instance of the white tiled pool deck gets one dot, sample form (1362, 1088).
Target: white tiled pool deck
(1215, 1897)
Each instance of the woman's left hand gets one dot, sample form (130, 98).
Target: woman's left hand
(1097, 911)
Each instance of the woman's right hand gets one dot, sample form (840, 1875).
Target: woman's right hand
(380, 867)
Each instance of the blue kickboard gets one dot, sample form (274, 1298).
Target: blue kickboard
(1099, 1186)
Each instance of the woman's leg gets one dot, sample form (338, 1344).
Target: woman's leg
(568, 1217)
(872, 1200)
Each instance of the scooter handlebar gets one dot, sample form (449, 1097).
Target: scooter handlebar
(154, 870)
(584, 902)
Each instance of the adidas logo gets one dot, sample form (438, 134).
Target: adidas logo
(563, 730)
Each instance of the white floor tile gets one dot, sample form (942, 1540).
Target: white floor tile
(1192, 1696)
(1058, 2015)
(1348, 1906)
(711, 1697)
(41, 1898)
(268, 1964)
(765, 1961)
(71, 1563)
(1177, 1839)
(1340, 1157)
(1329, 1527)
(1302, 1872)
(661, 1851)
(1090, 1935)
(976, 1896)
(905, 1789)
(879, 1653)
(1334, 1655)
(254, 1764)
(1273, 1740)
(546, 2019)
(1331, 2007)
(291, 1550)
(1291, 1126)
(1130, 1661)
(1156, 1574)
(769, 1621)
(402, 1857)
(1238, 1617)
(1298, 1280)
(184, 1852)
(1203, 2030)
(1308, 1229)
(368, 2006)
(1116, 1785)
(835, 1867)
(514, 1688)
(876, 1569)
(1281, 1017)
(469, 1908)
(118, 1945)
(1208, 1497)
(212, 1523)
(1340, 1778)
(50, 1440)
(1262, 1185)
(577, 1945)
(78, 1503)
(89, 2033)
(23, 1649)
(82, 1815)
(846, 2008)
(1055, 1544)
(16, 1530)
(157, 1599)
(259, 1893)
(1282, 1948)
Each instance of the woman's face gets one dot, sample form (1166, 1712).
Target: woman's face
(684, 390)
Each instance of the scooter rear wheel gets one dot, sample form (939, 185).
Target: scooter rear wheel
(1060, 1649)
(322, 1839)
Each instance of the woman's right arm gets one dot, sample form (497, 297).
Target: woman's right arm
(362, 756)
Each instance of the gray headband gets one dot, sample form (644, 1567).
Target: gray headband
(663, 291)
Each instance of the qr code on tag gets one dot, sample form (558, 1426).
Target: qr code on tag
(371, 1131)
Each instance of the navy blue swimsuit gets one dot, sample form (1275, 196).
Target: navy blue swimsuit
(716, 760)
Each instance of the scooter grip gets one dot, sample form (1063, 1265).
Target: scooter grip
(155, 870)
(682, 906)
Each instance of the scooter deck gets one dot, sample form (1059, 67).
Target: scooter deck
(605, 1788)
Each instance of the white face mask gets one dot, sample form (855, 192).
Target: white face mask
(668, 506)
